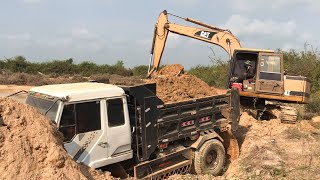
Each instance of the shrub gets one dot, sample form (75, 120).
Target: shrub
(214, 75)
(140, 71)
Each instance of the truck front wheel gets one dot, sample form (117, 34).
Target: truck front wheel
(210, 158)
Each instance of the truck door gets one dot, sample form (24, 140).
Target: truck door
(82, 127)
(118, 128)
(97, 133)
(270, 73)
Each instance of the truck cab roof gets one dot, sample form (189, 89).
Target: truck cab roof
(80, 91)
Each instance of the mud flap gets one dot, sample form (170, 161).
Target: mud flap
(235, 109)
(231, 145)
(117, 171)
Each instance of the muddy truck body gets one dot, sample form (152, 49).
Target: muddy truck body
(129, 129)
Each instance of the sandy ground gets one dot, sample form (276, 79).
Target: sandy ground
(14, 88)
(6, 90)
(273, 150)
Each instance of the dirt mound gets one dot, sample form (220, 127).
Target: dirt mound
(172, 69)
(173, 88)
(32, 148)
(180, 88)
(272, 150)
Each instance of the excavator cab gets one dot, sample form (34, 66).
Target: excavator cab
(257, 71)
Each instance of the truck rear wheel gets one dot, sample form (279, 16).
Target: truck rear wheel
(210, 158)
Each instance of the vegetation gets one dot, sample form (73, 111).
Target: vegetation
(304, 63)
(19, 64)
(214, 75)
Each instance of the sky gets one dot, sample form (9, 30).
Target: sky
(105, 31)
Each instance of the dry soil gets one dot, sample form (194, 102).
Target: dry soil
(31, 147)
(172, 86)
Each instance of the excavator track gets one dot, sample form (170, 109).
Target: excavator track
(288, 115)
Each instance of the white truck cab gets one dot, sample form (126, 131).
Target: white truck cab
(93, 117)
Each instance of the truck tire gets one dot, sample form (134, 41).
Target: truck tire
(210, 158)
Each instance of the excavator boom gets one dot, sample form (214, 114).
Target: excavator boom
(207, 33)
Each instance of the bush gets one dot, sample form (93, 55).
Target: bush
(140, 71)
(314, 105)
(214, 75)
(57, 68)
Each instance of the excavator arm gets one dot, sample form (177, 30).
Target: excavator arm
(207, 33)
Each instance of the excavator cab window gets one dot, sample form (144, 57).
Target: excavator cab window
(245, 66)
(270, 68)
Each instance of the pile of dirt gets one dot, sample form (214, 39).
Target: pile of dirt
(172, 87)
(31, 147)
(173, 69)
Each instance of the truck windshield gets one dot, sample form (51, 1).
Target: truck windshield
(44, 105)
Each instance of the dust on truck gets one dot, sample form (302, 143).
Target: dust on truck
(131, 127)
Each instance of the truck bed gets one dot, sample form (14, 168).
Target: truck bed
(156, 123)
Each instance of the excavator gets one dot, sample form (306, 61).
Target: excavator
(258, 74)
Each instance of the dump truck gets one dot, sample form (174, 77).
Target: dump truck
(131, 128)
(257, 73)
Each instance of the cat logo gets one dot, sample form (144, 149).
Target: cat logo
(205, 34)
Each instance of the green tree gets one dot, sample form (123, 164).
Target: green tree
(16, 64)
(140, 71)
